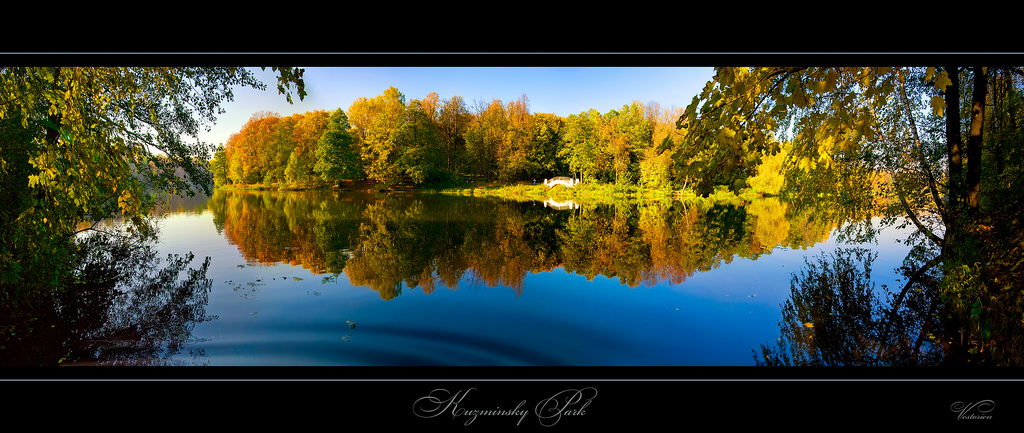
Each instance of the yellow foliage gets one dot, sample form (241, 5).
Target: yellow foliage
(769, 178)
(942, 81)
(771, 227)
(938, 105)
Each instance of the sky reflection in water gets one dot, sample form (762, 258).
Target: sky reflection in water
(284, 314)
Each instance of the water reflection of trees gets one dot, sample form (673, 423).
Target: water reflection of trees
(835, 316)
(428, 241)
(127, 306)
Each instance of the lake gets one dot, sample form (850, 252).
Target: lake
(359, 279)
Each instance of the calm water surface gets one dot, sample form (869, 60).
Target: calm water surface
(329, 279)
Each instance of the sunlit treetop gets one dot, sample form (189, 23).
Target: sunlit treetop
(825, 112)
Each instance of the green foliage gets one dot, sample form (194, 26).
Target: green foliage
(287, 77)
(296, 174)
(83, 144)
(421, 155)
(219, 167)
(543, 152)
(337, 156)
(583, 145)
(98, 129)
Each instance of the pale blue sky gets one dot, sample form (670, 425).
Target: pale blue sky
(559, 90)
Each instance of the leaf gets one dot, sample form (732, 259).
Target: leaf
(942, 81)
(938, 105)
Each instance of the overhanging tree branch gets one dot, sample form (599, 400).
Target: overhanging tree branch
(890, 316)
(913, 216)
(920, 153)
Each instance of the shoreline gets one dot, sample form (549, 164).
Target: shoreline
(523, 191)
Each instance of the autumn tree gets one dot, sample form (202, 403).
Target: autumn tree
(655, 169)
(628, 134)
(305, 139)
(419, 142)
(925, 128)
(95, 134)
(484, 137)
(547, 141)
(378, 122)
(584, 144)
(81, 144)
(453, 121)
(769, 176)
(219, 166)
(337, 156)
(276, 151)
(253, 151)
(513, 150)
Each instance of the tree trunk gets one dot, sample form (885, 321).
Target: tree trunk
(974, 142)
(955, 190)
(953, 144)
(998, 88)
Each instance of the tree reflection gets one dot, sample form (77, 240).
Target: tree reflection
(273, 227)
(391, 243)
(128, 306)
(836, 317)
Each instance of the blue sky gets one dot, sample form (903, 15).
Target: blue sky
(559, 90)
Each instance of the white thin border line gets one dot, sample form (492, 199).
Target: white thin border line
(504, 380)
(638, 53)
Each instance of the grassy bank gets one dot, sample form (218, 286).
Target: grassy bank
(275, 186)
(527, 191)
(591, 193)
